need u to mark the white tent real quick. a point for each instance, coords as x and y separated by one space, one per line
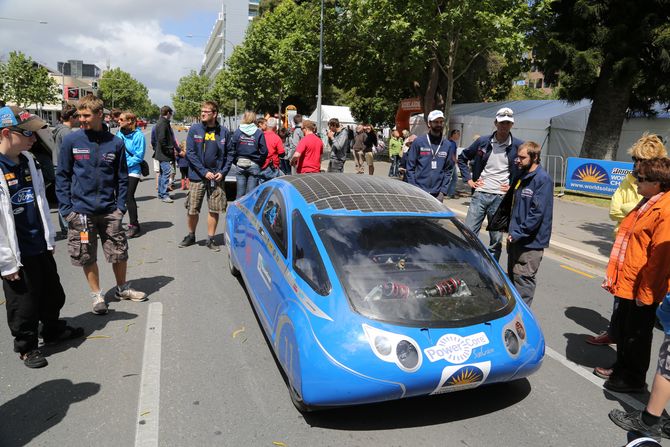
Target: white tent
557 126
340 112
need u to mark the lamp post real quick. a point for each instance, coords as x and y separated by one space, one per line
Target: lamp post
318 95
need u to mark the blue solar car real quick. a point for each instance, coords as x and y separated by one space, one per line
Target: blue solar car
369 290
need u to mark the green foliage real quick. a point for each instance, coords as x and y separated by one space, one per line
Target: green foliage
191 91
522 92
120 90
24 82
615 52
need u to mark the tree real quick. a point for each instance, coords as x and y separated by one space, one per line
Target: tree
276 60
191 91
614 52
26 82
420 48
121 91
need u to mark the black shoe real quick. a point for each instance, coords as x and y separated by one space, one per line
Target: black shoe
187 242
212 245
620 386
34 359
632 421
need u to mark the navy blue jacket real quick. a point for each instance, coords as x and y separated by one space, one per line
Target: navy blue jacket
252 147
480 151
207 155
419 164
532 213
92 174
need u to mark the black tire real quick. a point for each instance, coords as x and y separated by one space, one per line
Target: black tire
233 270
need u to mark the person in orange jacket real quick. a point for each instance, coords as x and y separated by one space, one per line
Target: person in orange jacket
638 276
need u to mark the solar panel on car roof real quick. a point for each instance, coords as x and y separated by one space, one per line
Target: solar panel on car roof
362 193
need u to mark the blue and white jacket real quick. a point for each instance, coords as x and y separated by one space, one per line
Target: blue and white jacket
207 154
532 213
420 158
92 174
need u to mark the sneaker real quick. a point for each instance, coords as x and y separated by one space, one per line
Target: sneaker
212 245
34 359
99 305
127 293
167 199
187 242
632 421
132 231
601 339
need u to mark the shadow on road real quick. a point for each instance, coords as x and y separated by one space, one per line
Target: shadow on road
148 285
91 323
423 411
582 353
36 411
589 319
144 198
155 225
604 234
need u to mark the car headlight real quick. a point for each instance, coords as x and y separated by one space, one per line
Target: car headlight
511 342
394 348
383 345
407 354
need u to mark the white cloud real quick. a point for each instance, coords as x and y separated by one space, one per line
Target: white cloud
126 34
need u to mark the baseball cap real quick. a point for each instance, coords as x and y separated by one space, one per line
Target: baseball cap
505 114
12 116
435 114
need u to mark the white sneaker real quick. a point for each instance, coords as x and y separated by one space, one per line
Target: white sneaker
99 305
126 293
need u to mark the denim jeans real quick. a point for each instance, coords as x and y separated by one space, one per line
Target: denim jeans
164 179
247 179
451 189
268 174
395 165
484 204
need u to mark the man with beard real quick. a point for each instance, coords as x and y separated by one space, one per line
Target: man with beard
430 159
530 221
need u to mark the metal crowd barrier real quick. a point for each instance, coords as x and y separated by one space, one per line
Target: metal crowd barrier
555 167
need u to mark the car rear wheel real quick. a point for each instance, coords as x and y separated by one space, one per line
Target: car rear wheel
233 270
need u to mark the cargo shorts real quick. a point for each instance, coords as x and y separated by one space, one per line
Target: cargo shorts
216 197
107 226
664 358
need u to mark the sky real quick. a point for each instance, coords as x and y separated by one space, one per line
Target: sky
146 38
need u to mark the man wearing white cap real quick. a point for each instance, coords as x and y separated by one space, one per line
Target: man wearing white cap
493 165
430 159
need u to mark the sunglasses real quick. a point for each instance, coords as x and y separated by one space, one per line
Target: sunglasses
25 133
642 179
510 114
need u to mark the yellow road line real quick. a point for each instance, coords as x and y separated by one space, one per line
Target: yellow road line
577 271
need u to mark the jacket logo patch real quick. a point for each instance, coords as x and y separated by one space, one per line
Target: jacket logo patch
10 176
109 157
527 192
84 150
210 136
25 195
82 157
12 182
18 210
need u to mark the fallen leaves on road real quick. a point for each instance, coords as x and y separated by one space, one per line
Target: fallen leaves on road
91 337
127 326
145 413
279 443
238 332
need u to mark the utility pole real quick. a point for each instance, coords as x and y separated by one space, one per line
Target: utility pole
318 97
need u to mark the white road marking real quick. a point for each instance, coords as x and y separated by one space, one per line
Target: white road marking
574 367
146 434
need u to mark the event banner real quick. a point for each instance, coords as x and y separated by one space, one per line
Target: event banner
595 176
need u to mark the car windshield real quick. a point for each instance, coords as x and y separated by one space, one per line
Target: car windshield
415 271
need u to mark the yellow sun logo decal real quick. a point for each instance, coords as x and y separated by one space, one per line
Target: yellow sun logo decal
591 173
465 376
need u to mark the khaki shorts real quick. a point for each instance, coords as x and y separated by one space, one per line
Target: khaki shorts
664 358
369 158
216 197
112 236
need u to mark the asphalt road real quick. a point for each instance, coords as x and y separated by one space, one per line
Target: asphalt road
191 367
